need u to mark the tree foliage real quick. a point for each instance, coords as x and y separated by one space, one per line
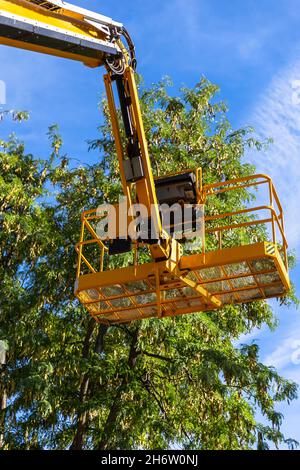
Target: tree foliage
71 383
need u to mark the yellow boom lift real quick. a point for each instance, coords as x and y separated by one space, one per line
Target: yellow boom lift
174 281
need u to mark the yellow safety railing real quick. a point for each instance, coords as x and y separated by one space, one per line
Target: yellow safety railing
86 227
214 224
273 207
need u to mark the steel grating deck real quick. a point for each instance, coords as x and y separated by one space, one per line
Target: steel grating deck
232 275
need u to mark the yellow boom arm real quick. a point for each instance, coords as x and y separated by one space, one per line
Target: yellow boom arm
61 29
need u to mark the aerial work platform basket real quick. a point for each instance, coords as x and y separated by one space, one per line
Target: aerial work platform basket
242 258
237 256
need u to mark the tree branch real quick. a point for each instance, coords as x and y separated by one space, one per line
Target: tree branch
157 356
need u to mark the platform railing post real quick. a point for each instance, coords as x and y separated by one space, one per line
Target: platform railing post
136 254
102 259
158 292
284 244
80 250
220 240
272 213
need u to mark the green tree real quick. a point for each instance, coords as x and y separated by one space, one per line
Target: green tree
71 383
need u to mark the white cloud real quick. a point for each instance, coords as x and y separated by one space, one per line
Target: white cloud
277 115
286 354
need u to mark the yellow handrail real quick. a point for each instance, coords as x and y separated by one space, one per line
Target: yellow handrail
274 208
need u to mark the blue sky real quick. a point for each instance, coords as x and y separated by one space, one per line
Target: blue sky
250 49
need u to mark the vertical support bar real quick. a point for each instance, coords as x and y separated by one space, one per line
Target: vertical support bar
136 254
220 239
80 251
199 184
149 199
102 259
145 187
116 133
158 292
286 262
272 214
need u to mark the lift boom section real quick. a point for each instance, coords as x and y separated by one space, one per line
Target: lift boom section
173 282
61 29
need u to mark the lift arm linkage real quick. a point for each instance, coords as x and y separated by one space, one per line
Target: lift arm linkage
58 28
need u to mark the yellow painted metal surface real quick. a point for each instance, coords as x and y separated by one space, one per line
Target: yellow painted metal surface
145 188
130 293
203 281
61 21
89 62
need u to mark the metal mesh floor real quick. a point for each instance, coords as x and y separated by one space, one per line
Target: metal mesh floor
259 275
